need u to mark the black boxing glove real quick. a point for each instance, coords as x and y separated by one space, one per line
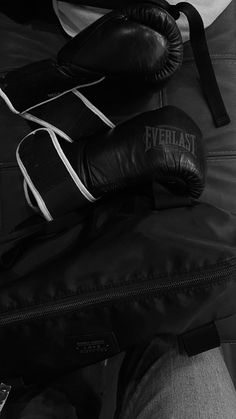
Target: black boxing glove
165 144
141 42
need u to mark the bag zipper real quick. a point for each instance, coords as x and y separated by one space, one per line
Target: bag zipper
74 303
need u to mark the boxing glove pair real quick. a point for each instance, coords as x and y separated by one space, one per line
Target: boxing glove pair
140 42
165 145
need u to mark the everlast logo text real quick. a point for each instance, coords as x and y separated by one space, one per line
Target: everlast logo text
156 137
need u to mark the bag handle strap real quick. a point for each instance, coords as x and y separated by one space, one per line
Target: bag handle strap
202 58
204 64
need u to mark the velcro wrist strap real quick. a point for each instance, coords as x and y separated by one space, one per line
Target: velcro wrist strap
70 115
37 82
51 179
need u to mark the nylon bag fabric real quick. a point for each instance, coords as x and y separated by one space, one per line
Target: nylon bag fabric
79 290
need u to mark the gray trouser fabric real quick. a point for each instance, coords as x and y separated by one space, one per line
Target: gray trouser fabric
176 386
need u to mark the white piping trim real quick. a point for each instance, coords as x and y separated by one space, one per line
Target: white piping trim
7 101
61 133
70 169
27 197
93 108
39 199
64 93
11 107
45 124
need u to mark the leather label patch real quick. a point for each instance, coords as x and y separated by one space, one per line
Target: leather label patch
100 344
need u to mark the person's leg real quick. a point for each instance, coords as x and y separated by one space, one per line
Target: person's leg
175 386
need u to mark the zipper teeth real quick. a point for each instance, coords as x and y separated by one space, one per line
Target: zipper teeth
129 291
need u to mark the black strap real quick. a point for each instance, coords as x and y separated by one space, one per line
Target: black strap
203 62
200 339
